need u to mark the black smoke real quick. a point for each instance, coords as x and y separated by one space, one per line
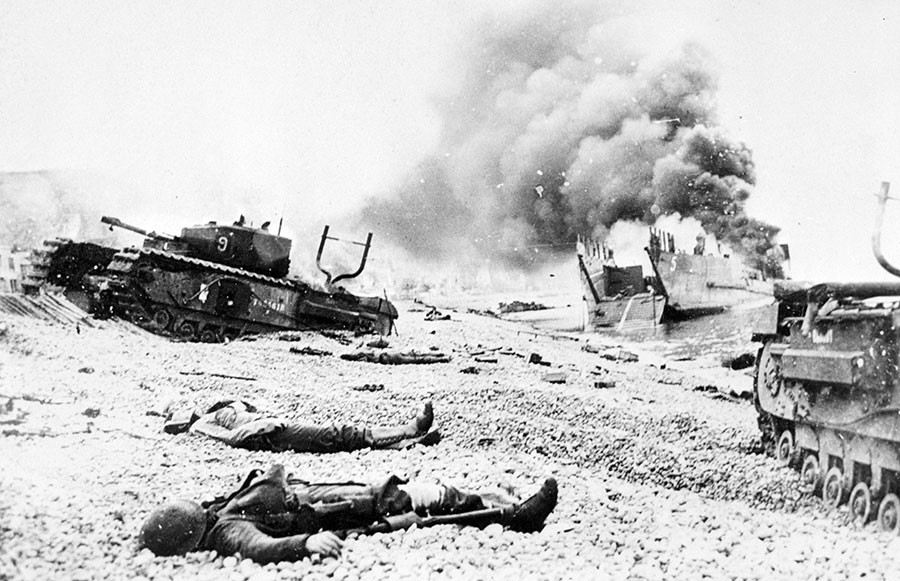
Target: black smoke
562 125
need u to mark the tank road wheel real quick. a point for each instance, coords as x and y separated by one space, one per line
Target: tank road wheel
811 475
833 490
889 514
137 317
187 331
162 319
767 432
784 451
860 504
771 371
209 336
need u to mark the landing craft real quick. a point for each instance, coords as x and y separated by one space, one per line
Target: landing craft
681 285
213 282
701 283
617 297
827 389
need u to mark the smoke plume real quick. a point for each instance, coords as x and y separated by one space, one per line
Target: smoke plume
562 125
37 206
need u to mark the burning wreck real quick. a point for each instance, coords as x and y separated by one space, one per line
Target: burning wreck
618 297
682 285
702 283
211 283
827 389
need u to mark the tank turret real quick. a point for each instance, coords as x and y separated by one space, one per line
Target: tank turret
236 245
210 283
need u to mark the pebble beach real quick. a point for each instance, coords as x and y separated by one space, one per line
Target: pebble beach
659 461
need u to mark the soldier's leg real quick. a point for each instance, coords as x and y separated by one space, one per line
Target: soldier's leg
527 516
344 505
441 499
320 439
335 438
395 497
349 505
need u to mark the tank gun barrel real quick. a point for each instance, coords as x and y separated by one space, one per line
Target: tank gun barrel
115 222
793 291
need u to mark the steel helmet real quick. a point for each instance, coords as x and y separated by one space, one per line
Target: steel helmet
174 529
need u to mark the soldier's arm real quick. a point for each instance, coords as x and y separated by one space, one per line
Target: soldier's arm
243 537
207 425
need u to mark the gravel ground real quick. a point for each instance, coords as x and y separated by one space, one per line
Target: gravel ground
660 470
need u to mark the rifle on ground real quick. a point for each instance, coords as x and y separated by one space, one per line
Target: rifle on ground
406 520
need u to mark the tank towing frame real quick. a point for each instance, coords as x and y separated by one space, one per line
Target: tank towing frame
362 263
883 197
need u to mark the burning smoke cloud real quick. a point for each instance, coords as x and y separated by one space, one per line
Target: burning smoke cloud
562 126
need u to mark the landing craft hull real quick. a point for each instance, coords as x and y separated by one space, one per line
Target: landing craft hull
684 285
626 313
701 285
617 298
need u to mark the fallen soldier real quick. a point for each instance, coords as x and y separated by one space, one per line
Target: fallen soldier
239 424
272 518
396 357
436 315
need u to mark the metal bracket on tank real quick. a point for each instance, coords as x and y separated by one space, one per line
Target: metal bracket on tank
362 264
883 197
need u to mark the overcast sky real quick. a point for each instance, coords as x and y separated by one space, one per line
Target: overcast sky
314 105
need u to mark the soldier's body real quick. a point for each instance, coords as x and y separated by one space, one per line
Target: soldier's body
239 424
271 518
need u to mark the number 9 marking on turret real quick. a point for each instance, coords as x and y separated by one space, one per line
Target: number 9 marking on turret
222 243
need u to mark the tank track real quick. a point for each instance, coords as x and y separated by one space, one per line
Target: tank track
123 295
35 276
67 267
844 463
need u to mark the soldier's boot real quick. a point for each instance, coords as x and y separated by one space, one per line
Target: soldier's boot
415 432
529 516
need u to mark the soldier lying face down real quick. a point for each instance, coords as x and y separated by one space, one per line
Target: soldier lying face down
272 518
239 424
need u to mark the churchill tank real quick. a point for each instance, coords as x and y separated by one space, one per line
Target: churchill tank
827 389
210 283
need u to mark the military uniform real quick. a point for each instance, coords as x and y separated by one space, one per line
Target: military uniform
239 424
270 517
